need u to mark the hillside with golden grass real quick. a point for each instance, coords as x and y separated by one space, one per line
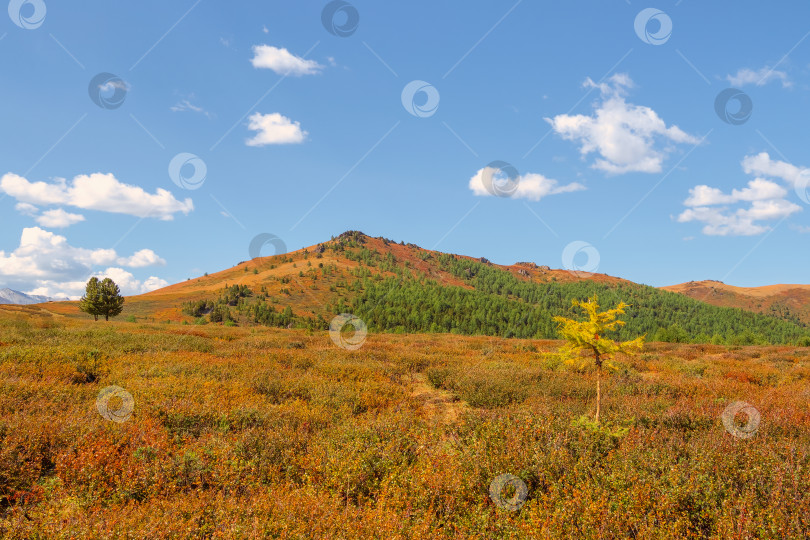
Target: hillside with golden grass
791 302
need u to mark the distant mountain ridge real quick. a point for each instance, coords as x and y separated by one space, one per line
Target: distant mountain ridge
786 301
10 296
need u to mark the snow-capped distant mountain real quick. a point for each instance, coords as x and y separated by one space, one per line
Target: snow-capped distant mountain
9 296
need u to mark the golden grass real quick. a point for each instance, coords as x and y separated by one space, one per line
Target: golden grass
236 433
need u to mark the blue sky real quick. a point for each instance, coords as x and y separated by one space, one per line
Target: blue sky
619 155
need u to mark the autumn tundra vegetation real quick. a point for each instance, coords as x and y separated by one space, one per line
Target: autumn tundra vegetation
469 401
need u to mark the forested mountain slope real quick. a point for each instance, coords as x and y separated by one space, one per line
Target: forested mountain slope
398 287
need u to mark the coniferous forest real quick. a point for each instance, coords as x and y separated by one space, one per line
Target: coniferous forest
501 304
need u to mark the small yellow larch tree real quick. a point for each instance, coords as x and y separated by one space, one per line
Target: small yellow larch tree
587 339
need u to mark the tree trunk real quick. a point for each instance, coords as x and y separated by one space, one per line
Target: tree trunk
95 317
107 318
598 389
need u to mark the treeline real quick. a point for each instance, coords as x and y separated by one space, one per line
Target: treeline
501 304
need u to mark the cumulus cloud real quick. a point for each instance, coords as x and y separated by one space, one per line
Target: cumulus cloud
762 164
142 258
767 202
724 222
45 260
273 128
758 189
530 186
26 209
624 135
759 77
127 282
58 218
74 290
96 191
283 61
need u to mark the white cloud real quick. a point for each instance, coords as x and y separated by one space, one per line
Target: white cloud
721 222
142 258
127 282
153 283
624 135
26 209
771 209
96 191
283 61
112 85
530 186
46 261
760 77
185 104
74 290
58 218
766 197
758 189
762 164
273 128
